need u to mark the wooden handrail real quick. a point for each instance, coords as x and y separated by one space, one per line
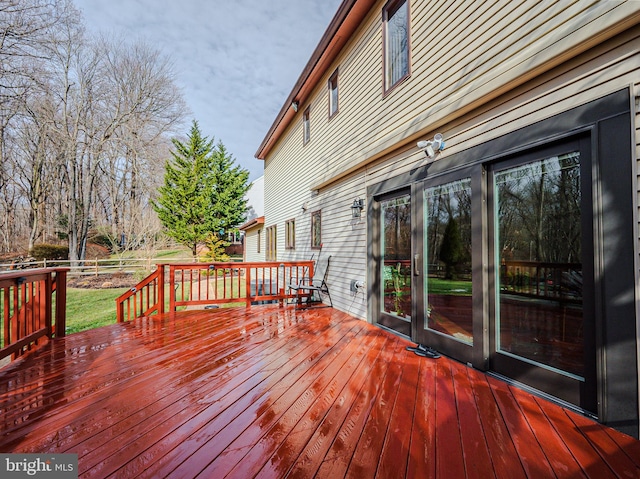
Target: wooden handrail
144 299
27 312
557 281
203 284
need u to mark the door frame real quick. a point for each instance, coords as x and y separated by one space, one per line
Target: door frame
477 353
582 393
388 321
609 123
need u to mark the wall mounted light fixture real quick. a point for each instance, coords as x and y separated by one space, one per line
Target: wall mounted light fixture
431 147
357 207
295 105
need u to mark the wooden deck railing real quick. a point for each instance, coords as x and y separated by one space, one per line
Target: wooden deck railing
145 298
172 286
32 309
557 281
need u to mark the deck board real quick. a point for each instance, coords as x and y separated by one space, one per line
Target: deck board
531 456
364 461
423 428
449 458
474 445
556 451
279 392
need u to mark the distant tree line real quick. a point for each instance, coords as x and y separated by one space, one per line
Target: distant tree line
85 128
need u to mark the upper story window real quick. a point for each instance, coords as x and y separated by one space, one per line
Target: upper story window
395 20
306 126
333 94
316 230
290 234
272 240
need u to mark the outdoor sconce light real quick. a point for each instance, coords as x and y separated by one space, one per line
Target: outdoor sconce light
295 105
357 207
431 147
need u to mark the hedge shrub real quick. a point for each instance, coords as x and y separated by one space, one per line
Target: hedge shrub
49 251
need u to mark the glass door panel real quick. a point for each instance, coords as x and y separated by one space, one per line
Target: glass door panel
447 260
538 251
395 278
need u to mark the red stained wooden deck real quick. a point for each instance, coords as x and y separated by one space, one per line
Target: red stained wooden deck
277 392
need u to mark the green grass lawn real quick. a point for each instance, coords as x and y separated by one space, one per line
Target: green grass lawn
449 287
91 308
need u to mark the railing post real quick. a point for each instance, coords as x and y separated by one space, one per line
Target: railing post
61 303
120 312
160 268
47 299
281 290
172 290
247 281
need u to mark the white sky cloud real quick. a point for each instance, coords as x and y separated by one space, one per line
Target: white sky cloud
236 61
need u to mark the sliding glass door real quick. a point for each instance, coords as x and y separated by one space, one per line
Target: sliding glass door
486 265
445 319
542 334
515 256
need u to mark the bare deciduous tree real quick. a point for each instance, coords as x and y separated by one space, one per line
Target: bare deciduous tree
84 126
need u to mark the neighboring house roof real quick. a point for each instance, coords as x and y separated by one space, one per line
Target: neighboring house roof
345 22
252 223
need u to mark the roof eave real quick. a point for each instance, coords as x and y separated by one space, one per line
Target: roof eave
345 22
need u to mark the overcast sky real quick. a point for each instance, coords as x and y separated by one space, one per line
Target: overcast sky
236 60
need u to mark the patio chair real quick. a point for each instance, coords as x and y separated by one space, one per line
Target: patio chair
307 287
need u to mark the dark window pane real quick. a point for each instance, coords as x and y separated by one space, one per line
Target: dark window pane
539 251
396 256
448 259
397 44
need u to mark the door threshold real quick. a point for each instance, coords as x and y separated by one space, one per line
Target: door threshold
543 395
393 331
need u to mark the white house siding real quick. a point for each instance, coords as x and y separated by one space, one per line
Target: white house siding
251 236
474 77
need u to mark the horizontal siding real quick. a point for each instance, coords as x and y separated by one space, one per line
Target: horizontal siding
448 72
251 253
606 69
453 62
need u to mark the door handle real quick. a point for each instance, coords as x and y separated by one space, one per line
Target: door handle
416 263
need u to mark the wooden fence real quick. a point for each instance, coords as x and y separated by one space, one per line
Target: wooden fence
92 267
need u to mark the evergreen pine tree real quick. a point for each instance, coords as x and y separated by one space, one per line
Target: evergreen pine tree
203 191
451 248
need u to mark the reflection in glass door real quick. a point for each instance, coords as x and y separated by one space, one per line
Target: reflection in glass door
538 261
395 301
447 245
